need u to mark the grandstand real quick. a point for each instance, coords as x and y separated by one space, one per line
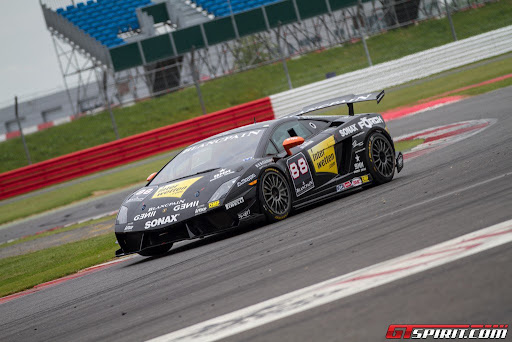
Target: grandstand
144 48
104 20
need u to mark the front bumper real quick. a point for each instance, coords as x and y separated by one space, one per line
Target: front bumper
210 223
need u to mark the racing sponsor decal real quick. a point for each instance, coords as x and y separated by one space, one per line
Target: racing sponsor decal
144 215
144 191
348 130
213 204
176 189
365 178
128 228
234 203
244 214
200 209
359 165
355 143
357 181
221 173
370 122
140 195
167 205
263 163
447 331
323 156
223 139
300 173
306 144
135 199
161 221
349 184
245 180
186 206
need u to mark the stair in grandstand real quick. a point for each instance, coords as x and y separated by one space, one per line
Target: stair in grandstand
221 8
185 13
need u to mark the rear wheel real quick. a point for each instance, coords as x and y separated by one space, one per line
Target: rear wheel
275 195
380 158
157 250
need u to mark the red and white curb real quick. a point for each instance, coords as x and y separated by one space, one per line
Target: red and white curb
51 283
343 286
441 136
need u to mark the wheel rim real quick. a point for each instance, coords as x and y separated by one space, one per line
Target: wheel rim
383 156
275 193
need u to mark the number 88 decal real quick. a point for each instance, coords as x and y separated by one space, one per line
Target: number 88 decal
296 171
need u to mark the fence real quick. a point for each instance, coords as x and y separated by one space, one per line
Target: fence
136 147
396 72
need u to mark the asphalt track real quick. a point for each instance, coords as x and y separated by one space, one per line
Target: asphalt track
453 191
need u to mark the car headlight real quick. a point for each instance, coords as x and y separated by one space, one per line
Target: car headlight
122 215
223 190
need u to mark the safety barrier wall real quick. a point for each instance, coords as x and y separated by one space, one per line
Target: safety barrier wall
399 71
132 148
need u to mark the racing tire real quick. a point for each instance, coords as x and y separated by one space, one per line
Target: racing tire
275 195
380 158
156 251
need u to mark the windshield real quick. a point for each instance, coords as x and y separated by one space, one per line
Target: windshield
211 154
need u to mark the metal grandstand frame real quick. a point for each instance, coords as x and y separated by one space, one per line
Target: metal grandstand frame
334 28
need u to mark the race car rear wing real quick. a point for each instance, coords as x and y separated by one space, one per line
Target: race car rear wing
349 100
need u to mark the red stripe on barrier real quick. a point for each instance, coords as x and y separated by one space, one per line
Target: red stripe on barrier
132 148
13 134
45 125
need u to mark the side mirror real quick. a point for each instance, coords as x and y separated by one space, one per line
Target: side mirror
290 143
151 176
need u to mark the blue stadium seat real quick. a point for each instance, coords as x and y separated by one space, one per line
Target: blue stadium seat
104 19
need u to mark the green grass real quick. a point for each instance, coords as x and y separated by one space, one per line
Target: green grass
25 271
57 231
250 85
60 197
407 145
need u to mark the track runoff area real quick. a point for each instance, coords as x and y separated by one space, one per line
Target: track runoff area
441 226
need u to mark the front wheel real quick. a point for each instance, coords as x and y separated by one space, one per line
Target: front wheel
156 251
275 195
380 157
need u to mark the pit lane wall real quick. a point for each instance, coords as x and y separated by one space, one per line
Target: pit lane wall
132 148
399 71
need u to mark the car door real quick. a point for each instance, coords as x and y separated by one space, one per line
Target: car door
312 165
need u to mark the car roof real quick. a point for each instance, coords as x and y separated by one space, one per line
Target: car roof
264 124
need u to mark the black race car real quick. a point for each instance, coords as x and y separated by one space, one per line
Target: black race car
259 171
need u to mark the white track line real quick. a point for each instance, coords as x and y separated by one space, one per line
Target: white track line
343 286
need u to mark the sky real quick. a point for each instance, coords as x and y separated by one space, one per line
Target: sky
28 63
